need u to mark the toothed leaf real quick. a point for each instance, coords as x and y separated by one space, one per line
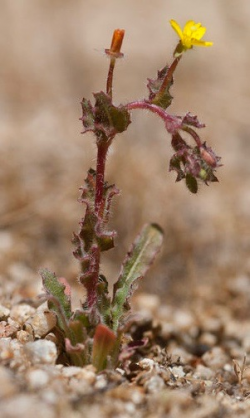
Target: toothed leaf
135 266
57 290
87 115
192 120
154 86
110 119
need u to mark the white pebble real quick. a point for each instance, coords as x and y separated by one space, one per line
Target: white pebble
37 379
21 313
7 386
203 372
41 323
177 371
215 358
147 364
4 312
24 336
154 384
82 373
41 351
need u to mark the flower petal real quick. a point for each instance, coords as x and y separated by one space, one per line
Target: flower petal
177 28
188 28
191 34
199 33
197 42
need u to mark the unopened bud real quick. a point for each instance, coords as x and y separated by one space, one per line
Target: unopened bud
116 44
208 156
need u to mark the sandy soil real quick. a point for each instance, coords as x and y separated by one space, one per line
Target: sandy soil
51 56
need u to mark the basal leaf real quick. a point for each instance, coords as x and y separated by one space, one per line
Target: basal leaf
135 266
104 343
58 296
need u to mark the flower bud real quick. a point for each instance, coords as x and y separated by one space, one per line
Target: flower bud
209 156
116 44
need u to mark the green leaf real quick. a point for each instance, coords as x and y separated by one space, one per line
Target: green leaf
154 86
135 266
58 292
87 115
191 183
110 119
103 300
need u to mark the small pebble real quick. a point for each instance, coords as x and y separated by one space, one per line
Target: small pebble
203 372
177 371
41 323
26 405
24 336
6 348
21 313
208 339
147 364
86 373
215 358
184 320
37 379
7 383
80 386
41 351
101 382
154 384
4 312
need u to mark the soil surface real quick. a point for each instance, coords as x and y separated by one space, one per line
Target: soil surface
193 306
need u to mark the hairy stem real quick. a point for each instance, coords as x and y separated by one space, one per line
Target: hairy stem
168 77
172 123
102 149
193 134
91 286
109 85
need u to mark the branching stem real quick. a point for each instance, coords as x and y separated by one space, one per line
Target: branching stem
172 122
194 135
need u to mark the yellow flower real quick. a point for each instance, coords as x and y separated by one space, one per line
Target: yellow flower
190 35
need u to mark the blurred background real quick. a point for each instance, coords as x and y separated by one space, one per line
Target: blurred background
51 56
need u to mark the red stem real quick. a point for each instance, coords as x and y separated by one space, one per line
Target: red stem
172 122
193 134
102 149
168 77
91 286
109 86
